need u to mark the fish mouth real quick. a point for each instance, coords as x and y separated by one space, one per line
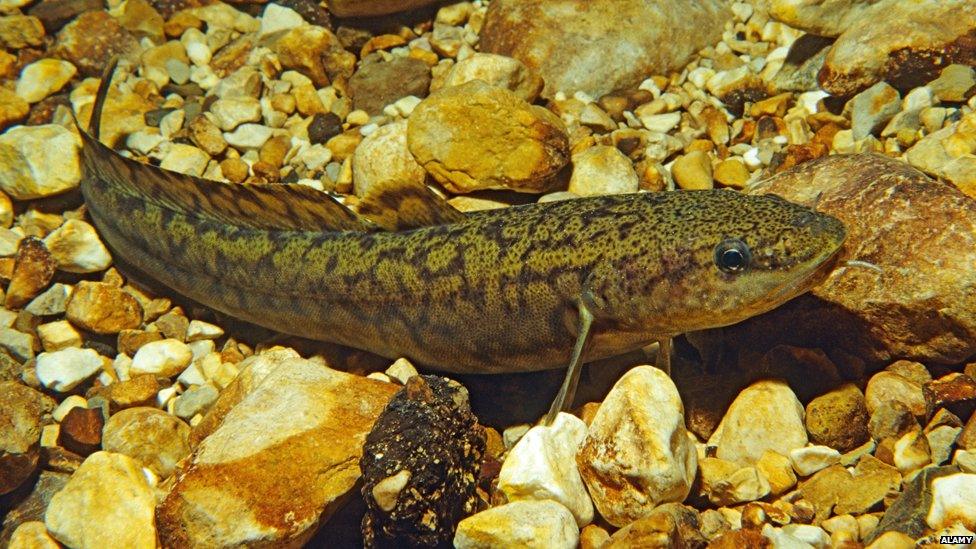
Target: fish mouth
815 274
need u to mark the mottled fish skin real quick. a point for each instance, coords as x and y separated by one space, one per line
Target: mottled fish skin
496 292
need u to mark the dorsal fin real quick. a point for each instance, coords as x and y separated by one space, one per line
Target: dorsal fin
284 206
400 206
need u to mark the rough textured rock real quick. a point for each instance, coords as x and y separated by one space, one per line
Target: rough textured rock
922 235
476 136
377 84
908 512
33 269
637 453
264 486
38 161
905 43
154 438
20 431
92 39
601 46
102 308
81 430
823 18
106 503
602 170
529 524
839 419
31 508
420 465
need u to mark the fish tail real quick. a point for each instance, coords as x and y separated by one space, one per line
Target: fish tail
95 124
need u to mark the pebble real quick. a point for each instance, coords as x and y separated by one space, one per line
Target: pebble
887 386
316 52
152 437
497 70
13 108
232 112
72 401
661 123
873 108
20 431
58 335
778 471
953 500
654 463
765 416
103 308
248 136
86 514
602 170
693 171
323 127
731 172
44 77
17 343
64 370
529 524
33 269
476 136
198 330
76 248
164 358
81 430
38 161
542 466
810 459
401 370
206 135
195 400
32 535
185 159
382 158
376 85
726 483
278 18
955 83
20 31
839 418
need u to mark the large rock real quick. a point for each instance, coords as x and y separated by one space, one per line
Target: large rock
379 83
383 158
476 136
823 18
918 231
368 8
106 503
599 46
637 453
279 463
20 431
38 161
156 439
905 43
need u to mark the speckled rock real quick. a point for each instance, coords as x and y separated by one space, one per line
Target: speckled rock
33 269
92 39
263 485
476 136
726 483
102 308
859 312
154 438
20 432
602 170
315 52
38 161
905 43
839 419
420 465
383 158
765 416
600 46
530 524
380 83
497 70
81 430
13 108
106 503
655 462
20 31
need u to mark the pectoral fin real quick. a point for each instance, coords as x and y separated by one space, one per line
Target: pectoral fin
568 390
398 206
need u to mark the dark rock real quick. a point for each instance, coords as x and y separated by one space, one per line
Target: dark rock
420 466
92 39
154 116
955 392
907 513
838 419
54 14
324 127
371 8
33 269
21 409
81 431
33 505
803 64
376 85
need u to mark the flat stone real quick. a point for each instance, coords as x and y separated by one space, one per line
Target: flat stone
232 112
64 370
810 459
528 523
602 46
316 52
52 301
279 18
693 171
152 437
39 161
778 471
248 136
103 308
76 248
196 400
263 485
654 463
497 70
378 84
186 159
726 483
463 137
828 18
43 78
106 503
955 83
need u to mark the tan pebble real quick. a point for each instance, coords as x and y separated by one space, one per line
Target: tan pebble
593 537
283 102
732 172
344 145
274 151
58 335
102 308
693 171
234 169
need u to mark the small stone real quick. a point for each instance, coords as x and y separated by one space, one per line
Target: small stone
140 390
103 308
231 113
92 39
196 400
732 173
20 431
542 466
73 401
765 416
953 500
941 440
401 370
76 248
778 471
376 85
164 358
810 459
528 523
248 136
20 31
628 475
32 535
38 161
888 386
497 70
839 419
234 169
58 335
185 159
602 170
33 269
206 135
279 18
198 330
64 370
154 438
42 78
323 127
81 431
13 109
18 344
726 483
693 171
87 513
661 123
892 539
891 419
955 392
382 158
956 83
318 53
911 452
463 136
872 108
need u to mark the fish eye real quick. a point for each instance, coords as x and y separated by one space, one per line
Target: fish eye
732 255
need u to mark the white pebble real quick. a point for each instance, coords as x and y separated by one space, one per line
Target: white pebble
76 248
248 136
166 358
199 330
64 370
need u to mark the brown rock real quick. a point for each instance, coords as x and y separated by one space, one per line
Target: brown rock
206 135
369 8
20 31
654 530
740 539
152 437
92 39
32 506
20 432
477 136
33 270
916 230
263 486
955 392
102 308
377 84
891 419
129 340
139 391
173 324
13 108
55 13
905 43
81 430
838 419
315 52
600 46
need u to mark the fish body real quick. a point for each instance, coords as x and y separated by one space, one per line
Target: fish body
489 292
